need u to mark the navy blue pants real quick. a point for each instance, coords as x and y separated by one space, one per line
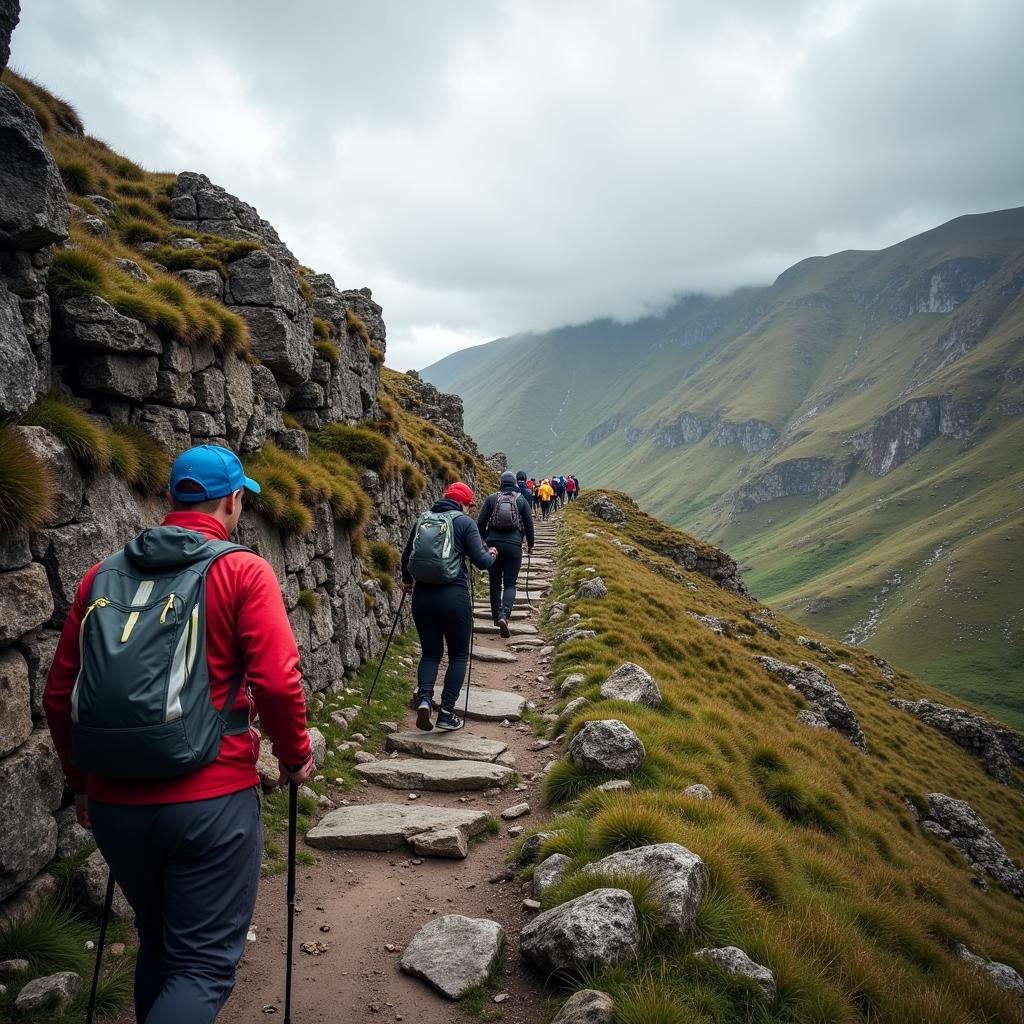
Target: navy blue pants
443 616
504 573
190 872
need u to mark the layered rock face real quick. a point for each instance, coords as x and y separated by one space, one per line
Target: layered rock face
120 372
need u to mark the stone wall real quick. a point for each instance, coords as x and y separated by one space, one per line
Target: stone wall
119 371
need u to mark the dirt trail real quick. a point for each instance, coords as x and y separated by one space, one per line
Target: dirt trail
371 901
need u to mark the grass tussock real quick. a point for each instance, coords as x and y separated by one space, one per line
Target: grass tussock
327 350
361 445
383 556
309 599
356 327
26 485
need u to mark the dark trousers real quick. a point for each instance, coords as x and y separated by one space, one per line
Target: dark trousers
190 872
443 616
545 509
505 572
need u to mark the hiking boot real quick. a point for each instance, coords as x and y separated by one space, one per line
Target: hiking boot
502 625
423 716
448 721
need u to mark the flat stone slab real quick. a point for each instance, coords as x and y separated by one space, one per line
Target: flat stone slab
446 746
517 612
436 776
385 827
488 705
484 627
493 654
454 953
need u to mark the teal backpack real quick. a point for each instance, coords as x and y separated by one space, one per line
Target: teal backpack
434 557
141 706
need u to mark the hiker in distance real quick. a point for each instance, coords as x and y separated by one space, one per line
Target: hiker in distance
434 572
545 492
171 648
505 521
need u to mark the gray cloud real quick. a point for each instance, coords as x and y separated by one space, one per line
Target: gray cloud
494 167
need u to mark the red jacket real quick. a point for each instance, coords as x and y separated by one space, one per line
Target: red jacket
246 629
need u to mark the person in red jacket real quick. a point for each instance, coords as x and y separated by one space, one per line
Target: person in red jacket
187 851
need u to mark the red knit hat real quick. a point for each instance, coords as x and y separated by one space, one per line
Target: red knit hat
460 492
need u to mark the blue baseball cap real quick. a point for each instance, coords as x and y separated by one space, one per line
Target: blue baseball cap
216 470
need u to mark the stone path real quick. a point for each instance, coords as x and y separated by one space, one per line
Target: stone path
405 851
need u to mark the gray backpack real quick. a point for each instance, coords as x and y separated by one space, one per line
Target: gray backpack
141 706
434 557
505 518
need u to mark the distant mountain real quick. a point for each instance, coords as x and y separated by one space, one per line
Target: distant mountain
853 434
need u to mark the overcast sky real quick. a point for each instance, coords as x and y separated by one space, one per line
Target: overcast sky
491 167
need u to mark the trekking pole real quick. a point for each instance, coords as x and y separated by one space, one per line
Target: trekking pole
293 801
394 626
529 554
469 671
108 903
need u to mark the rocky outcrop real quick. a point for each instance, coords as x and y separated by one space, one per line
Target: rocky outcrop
8 20
940 289
828 708
604 508
751 435
972 732
793 477
607 427
958 823
686 428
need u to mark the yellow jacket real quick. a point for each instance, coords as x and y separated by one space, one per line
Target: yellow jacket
545 491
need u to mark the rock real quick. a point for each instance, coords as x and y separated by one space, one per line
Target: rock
532 844
822 696
574 707
1002 974
632 683
260 280
9 968
440 776
595 930
615 786
15 701
318 742
492 654
25 602
570 683
267 767
34 209
604 508
549 872
440 842
607 745
884 668
90 322
679 876
816 645
733 960
9 12
515 811
454 953
71 837
131 377
91 879
588 1006
365 757
592 589
698 791
489 705
20 380
29 899
972 732
387 826
283 344
958 823
55 992
130 267
32 781
574 633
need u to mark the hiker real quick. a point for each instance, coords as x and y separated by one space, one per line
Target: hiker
560 488
576 488
535 491
505 521
434 572
545 492
570 488
524 488
207 647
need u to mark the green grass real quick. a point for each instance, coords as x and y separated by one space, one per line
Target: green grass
89 442
26 485
309 599
362 446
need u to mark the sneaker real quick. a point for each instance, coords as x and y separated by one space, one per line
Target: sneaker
423 716
448 721
503 627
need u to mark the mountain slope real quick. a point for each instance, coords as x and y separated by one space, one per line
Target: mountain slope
850 433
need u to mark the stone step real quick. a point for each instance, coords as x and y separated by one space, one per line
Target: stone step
385 827
446 746
493 654
517 611
484 627
435 775
487 705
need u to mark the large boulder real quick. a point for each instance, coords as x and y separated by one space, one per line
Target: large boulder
32 781
131 377
592 589
90 322
278 341
55 992
733 960
679 876
1002 974
604 508
25 601
607 746
597 929
19 381
55 455
15 701
260 280
588 1006
33 203
632 683
454 953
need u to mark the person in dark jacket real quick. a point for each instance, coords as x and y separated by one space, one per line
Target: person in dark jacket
443 613
524 490
507 538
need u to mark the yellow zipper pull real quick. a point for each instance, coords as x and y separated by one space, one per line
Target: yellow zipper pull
100 602
167 608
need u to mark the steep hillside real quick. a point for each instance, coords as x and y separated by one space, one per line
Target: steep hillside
820 796
849 433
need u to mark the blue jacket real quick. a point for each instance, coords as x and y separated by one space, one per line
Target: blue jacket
525 492
467 540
